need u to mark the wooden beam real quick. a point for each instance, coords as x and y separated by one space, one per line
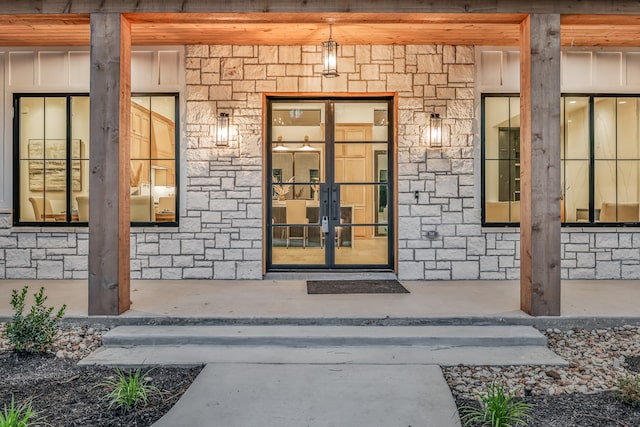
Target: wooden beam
109 217
303 28
256 6
540 165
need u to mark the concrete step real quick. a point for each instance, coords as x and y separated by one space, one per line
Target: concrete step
325 336
197 355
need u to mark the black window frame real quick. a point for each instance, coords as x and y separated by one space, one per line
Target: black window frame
592 222
68 194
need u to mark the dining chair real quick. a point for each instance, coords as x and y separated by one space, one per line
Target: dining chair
83 208
41 208
142 209
296 213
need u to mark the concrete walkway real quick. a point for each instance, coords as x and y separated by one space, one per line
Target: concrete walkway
315 395
286 375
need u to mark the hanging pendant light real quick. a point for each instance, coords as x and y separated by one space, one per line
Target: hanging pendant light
330 56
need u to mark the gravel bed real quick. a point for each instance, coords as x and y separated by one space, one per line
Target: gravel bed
71 342
596 359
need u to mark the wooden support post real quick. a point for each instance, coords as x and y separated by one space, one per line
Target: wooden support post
540 165
109 218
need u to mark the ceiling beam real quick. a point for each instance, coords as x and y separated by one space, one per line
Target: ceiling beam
312 28
331 6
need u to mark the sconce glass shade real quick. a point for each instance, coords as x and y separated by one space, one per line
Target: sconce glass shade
330 57
222 130
435 130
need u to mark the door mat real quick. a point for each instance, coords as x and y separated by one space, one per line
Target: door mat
355 287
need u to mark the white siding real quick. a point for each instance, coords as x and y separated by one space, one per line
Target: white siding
604 70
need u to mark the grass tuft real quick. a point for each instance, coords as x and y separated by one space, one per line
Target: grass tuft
497 409
21 415
129 390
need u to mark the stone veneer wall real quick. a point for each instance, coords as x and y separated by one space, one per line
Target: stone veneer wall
220 233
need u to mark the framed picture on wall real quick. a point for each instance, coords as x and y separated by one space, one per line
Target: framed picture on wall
48 164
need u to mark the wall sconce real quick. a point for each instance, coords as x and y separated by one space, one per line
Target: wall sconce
330 56
222 130
435 130
279 146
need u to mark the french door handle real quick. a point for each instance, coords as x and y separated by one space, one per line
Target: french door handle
335 203
324 201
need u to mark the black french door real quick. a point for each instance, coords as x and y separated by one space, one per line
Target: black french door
330 183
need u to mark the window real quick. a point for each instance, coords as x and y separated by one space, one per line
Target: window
52 166
600 160
501 153
153 159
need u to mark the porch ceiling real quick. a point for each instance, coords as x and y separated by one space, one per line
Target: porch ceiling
312 28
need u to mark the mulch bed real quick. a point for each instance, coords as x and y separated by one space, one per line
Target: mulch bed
633 363
68 395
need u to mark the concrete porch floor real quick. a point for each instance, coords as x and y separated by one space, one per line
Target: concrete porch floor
287 299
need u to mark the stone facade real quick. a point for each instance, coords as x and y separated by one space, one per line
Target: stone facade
221 223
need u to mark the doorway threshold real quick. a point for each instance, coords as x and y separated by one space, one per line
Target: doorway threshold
331 275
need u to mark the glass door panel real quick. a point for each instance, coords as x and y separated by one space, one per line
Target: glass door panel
361 159
297 172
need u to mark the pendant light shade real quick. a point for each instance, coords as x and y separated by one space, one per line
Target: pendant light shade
330 56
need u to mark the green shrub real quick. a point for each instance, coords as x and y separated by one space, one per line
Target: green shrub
129 390
497 409
17 416
33 332
628 389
